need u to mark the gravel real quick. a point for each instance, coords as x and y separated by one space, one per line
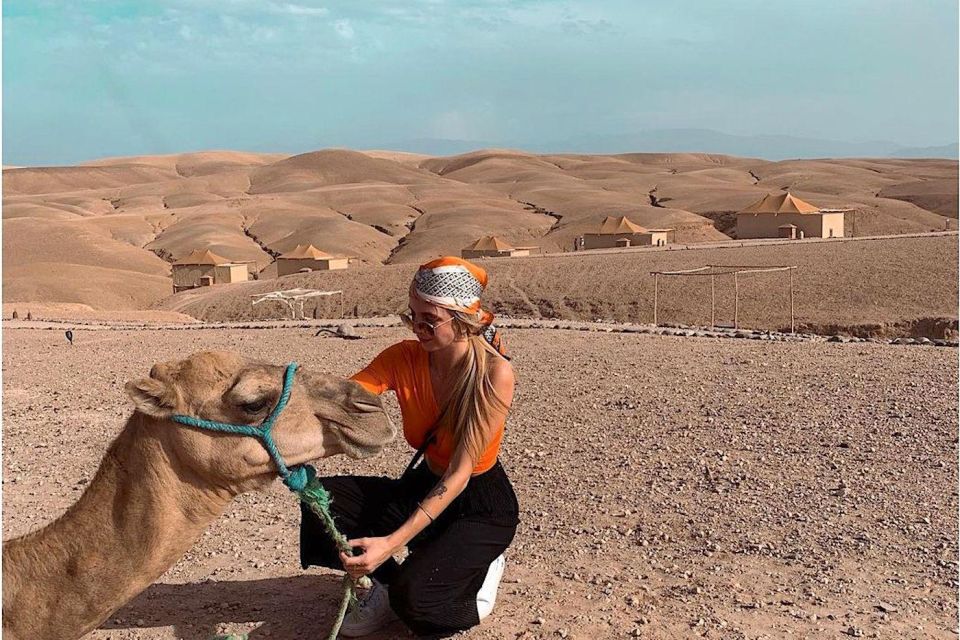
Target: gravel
670 486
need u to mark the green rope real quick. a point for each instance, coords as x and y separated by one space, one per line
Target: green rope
318 499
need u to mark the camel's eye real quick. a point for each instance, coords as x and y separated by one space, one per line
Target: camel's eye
252 393
255 406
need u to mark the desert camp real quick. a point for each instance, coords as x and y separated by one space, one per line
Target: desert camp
778 216
621 232
306 258
493 247
203 268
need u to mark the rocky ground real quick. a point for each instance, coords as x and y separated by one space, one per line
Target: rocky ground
671 487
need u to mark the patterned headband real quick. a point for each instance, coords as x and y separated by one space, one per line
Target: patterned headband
449 286
456 284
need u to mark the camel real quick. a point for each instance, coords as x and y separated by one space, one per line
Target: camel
160 484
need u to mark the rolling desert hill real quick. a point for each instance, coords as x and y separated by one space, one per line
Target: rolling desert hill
104 233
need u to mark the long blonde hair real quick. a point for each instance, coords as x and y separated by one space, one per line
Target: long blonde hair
472 399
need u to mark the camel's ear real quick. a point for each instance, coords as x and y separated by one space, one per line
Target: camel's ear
152 397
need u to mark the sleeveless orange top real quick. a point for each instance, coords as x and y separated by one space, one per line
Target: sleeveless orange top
405 369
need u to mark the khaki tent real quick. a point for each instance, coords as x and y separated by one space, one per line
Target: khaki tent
612 224
490 243
782 203
769 217
492 247
306 257
621 232
202 256
307 251
203 267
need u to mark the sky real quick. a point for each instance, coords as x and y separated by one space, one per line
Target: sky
84 80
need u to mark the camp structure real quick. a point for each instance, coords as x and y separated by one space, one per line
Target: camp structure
621 232
786 216
493 247
715 271
306 257
294 300
203 267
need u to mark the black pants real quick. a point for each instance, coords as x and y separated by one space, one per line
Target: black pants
434 590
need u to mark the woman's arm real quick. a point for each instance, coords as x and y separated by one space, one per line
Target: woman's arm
451 485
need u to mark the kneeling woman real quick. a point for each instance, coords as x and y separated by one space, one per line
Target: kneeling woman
456 513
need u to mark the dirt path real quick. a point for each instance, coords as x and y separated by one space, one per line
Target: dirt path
670 487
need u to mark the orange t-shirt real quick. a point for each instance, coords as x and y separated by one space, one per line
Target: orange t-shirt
405 369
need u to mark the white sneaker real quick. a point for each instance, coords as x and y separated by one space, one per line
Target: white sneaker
372 612
487 596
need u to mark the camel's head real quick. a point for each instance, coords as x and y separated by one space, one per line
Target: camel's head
325 415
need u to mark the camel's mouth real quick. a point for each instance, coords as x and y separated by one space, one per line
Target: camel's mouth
353 419
367 431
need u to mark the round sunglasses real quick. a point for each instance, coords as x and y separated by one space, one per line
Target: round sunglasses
422 326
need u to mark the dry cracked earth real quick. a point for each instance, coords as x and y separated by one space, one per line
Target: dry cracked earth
670 487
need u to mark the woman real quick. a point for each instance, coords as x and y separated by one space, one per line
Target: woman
457 512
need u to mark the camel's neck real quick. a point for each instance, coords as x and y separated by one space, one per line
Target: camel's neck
136 519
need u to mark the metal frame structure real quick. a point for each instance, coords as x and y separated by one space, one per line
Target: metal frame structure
712 271
294 299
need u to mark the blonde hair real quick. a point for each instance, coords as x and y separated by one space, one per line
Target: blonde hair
472 399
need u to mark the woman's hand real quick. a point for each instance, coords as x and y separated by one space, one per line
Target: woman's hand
376 551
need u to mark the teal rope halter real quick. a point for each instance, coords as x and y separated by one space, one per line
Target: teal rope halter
296 479
301 479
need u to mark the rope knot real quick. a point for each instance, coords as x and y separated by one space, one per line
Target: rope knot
299 477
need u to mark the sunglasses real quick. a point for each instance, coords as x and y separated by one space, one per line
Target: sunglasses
421 326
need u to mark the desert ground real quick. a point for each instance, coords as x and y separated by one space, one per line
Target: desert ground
103 233
670 487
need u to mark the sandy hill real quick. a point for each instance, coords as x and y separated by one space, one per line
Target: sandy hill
104 233
195 164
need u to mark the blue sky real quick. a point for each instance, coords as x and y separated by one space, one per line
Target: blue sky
83 80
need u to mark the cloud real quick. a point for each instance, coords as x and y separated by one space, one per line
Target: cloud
580 26
344 29
301 10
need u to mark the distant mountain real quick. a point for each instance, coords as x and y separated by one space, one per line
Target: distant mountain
437 146
942 151
768 147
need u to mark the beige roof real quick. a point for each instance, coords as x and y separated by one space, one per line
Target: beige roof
305 251
612 224
489 243
781 203
202 256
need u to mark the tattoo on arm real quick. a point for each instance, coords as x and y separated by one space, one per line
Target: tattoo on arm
437 491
